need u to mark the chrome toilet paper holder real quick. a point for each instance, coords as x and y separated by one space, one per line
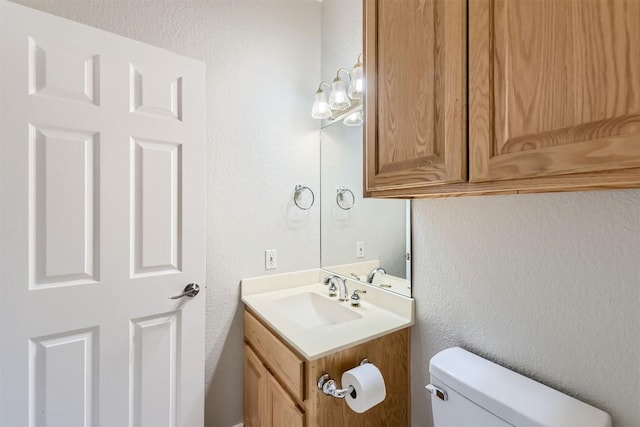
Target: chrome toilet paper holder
329 387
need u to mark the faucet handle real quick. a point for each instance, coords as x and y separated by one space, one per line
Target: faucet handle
355 298
333 290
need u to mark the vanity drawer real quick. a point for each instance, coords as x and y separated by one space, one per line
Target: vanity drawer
283 363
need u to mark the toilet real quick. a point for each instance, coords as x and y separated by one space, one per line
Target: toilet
469 391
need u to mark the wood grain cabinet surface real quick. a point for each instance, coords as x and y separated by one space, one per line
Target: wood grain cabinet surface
272 399
256 378
553 96
266 403
415 51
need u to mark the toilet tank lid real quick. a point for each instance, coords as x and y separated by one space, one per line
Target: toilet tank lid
515 398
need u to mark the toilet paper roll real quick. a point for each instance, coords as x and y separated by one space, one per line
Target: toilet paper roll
368 384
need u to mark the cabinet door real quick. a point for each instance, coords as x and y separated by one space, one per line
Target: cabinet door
415 66
284 412
256 407
554 88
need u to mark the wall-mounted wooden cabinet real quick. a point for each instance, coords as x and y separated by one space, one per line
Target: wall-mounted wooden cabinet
553 96
280 386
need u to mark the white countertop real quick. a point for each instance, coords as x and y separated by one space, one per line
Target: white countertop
381 312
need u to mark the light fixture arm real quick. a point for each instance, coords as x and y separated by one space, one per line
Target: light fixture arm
359 63
338 74
320 86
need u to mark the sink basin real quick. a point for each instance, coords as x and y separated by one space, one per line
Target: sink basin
309 310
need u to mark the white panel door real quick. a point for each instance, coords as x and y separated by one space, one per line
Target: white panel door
102 219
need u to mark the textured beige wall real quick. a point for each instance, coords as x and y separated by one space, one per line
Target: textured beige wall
547 285
263 66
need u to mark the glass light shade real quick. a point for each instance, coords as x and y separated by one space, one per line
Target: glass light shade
356 87
353 119
320 109
338 100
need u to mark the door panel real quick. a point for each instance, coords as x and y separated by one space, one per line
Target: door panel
155 92
156 177
416 96
102 190
58 71
153 381
65 193
554 87
60 395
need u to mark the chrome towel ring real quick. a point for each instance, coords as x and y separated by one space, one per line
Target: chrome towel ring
340 198
298 192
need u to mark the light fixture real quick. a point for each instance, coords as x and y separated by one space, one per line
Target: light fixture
353 119
356 85
339 100
320 109
342 104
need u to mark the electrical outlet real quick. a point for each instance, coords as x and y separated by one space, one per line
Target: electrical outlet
270 259
359 249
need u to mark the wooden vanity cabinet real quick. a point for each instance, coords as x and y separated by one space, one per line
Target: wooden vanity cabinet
553 95
280 386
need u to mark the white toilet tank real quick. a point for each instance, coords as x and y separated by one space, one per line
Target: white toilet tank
469 391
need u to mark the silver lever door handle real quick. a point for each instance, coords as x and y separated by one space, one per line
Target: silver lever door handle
191 290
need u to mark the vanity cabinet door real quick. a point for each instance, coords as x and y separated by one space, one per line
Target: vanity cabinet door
415 63
554 89
266 403
256 377
284 412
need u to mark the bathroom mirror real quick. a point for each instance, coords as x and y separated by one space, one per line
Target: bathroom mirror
359 235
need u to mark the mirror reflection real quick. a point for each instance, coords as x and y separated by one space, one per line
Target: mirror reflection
367 239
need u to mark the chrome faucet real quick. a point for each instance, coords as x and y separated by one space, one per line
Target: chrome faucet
373 272
343 293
